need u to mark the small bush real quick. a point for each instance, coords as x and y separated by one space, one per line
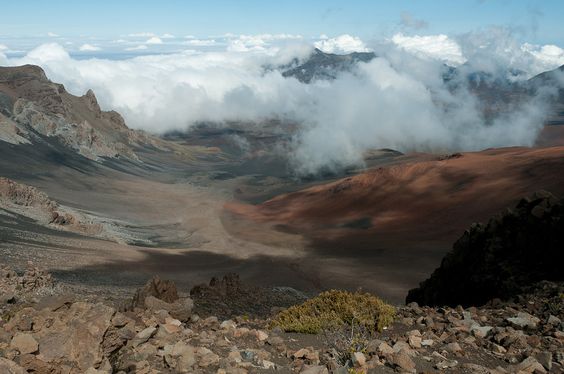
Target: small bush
334 309
347 340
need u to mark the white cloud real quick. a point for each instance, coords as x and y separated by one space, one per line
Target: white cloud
3 47
496 48
154 40
52 34
168 36
258 42
137 48
200 42
49 52
439 47
119 41
89 48
548 56
342 44
396 101
492 50
241 46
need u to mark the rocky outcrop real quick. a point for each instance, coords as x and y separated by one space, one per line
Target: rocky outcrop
164 290
18 199
13 193
158 294
81 136
28 201
500 259
34 109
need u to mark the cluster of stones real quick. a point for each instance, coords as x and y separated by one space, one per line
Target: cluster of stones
507 338
158 332
13 285
56 336
155 333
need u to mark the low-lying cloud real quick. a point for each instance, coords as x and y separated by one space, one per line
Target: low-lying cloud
398 100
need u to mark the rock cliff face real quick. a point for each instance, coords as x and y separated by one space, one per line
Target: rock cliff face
33 108
499 260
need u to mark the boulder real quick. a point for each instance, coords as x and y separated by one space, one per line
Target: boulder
530 365
545 359
524 320
402 361
24 343
358 359
180 309
317 369
75 335
143 335
10 367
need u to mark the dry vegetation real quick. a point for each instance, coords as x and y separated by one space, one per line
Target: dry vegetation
336 309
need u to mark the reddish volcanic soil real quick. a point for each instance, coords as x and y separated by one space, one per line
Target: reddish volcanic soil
409 213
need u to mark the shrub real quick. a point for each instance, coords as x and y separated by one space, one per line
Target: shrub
334 309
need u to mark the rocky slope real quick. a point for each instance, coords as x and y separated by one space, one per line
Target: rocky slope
513 250
43 330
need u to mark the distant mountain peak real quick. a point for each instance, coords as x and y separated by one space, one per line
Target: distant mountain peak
326 66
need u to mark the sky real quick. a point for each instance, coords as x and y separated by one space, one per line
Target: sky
538 21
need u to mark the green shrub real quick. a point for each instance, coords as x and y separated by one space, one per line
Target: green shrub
335 309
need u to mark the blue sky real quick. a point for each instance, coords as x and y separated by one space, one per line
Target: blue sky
536 21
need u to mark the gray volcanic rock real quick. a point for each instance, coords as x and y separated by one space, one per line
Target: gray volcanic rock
513 251
31 103
321 65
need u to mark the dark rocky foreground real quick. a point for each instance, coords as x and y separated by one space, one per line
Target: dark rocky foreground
158 331
515 249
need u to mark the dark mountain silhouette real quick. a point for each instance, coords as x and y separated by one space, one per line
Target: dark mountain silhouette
321 65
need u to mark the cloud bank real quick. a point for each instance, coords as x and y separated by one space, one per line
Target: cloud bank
341 44
439 47
398 100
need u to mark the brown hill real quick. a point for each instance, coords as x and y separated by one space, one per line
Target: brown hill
430 200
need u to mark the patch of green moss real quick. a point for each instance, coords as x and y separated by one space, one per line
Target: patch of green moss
334 309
